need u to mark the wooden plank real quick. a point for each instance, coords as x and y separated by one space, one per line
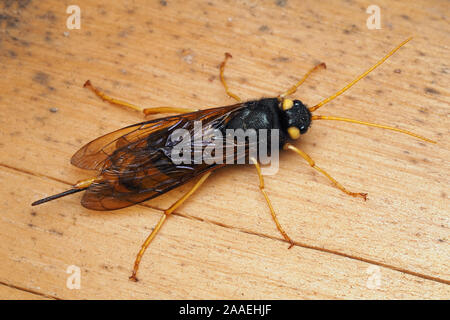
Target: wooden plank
168 55
189 259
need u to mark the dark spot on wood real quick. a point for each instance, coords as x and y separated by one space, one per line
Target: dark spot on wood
41 78
8 20
12 53
106 267
378 91
431 91
443 195
281 3
40 119
33 213
48 36
49 15
58 233
21 4
50 139
423 110
21 42
421 53
353 28
126 32
397 71
31 225
441 240
404 16
163 3
264 28
280 59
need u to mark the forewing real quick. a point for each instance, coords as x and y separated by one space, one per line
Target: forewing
135 162
93 155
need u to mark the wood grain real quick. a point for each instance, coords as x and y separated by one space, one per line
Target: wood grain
222 243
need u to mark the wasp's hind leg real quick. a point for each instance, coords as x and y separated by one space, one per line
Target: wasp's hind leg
146 111
311 162
161 222
222 78
293 89
272 211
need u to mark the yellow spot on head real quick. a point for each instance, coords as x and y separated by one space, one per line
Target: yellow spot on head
294 133
287 104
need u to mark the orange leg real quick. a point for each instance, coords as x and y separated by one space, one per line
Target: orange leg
311 162
293 89
222 78
272 211
161 222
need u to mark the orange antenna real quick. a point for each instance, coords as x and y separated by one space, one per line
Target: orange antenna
372 125
317 106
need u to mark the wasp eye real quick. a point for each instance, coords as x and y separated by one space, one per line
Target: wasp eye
294 133
287 104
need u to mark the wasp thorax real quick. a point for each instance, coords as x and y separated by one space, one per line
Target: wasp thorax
296 117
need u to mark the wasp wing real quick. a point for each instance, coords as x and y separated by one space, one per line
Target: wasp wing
135 162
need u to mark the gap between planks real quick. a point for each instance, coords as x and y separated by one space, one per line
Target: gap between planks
39 295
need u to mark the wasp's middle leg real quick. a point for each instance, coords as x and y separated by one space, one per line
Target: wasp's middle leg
272 211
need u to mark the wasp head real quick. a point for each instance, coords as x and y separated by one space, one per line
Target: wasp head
296 117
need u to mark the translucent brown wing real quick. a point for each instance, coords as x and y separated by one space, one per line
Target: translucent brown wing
135 162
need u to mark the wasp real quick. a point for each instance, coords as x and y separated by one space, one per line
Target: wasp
134 164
